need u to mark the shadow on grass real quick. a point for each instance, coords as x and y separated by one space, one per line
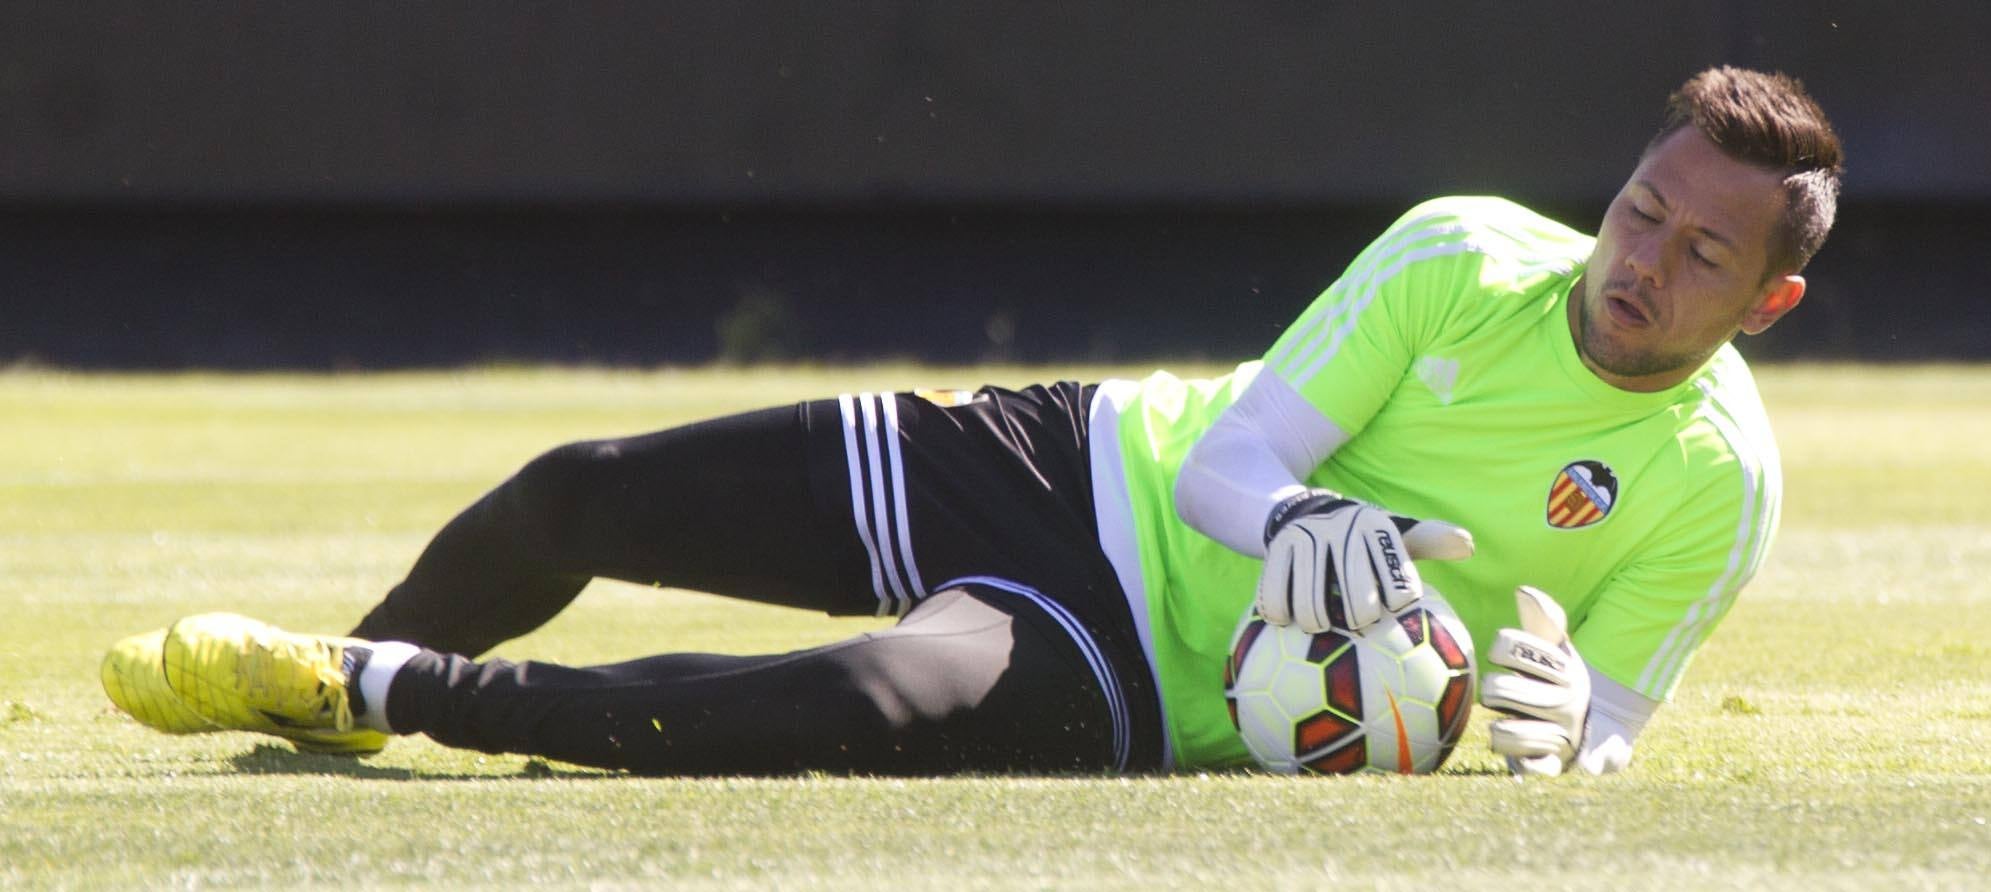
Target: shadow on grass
1251 771
271 758
1481 771
276 759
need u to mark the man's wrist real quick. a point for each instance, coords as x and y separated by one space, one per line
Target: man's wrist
1306 501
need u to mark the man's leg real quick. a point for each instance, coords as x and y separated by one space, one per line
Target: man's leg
721 506
970 681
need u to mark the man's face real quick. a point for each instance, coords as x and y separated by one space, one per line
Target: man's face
1679 265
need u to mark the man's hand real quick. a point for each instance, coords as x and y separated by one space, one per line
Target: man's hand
1541 685
1335 562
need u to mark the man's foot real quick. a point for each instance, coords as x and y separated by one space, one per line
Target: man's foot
134 676
246 675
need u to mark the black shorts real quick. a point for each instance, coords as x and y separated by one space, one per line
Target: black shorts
989 491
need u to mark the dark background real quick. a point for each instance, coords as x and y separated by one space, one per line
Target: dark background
241 185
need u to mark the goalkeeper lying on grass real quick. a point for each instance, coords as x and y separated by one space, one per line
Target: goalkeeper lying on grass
1069 561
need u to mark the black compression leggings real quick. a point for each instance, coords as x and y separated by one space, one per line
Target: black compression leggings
721 506
969 681
972 679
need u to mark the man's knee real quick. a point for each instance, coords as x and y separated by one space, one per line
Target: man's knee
553 486
964 683
567 467
912 681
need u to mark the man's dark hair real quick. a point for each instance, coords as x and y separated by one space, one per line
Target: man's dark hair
1769 121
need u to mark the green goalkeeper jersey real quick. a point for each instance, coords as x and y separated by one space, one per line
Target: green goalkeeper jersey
1445 353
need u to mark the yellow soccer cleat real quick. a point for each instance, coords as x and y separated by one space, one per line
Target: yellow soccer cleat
246 675
135 678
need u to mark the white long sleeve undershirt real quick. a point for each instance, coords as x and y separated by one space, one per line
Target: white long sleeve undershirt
1617 714
1252 458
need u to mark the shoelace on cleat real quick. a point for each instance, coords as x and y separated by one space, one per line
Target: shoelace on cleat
294 676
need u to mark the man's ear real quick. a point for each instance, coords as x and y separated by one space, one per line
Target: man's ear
1780 295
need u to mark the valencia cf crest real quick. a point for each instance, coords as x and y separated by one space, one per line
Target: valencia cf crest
1582 494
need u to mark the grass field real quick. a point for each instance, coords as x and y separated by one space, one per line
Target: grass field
1836 733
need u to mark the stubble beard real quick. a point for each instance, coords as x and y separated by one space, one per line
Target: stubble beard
1596 346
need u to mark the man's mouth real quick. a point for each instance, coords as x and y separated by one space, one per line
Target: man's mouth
1626 312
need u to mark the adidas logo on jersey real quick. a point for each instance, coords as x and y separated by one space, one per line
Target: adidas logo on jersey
1439 374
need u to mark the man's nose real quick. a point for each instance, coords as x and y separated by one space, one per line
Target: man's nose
1645 260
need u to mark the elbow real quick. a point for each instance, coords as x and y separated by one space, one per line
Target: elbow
1188 494
1192 500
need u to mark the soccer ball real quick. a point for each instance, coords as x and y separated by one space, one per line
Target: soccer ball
1393 698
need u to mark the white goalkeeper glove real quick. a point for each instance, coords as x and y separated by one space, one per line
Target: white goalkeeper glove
1332 562
1539 683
